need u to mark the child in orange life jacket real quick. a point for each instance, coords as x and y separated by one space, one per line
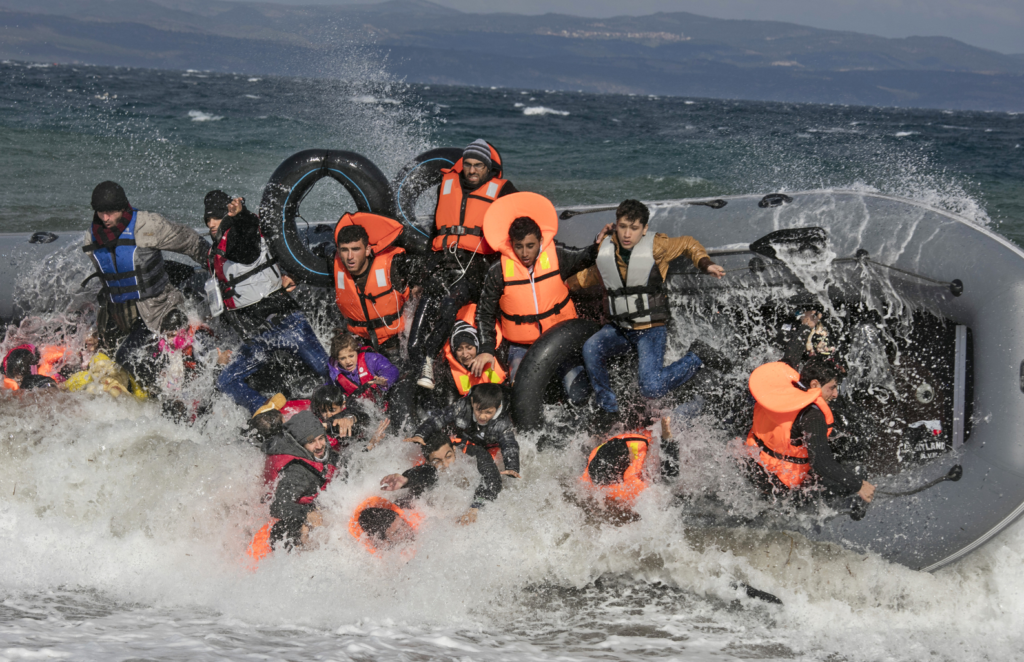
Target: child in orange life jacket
359 372
439 454
789 440
20 367
302 463
455 377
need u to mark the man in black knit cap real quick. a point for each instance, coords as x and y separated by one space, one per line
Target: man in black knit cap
126 246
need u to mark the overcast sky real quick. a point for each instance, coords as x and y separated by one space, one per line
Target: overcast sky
993 24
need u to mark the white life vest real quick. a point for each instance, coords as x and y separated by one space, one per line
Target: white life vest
242 285
642 299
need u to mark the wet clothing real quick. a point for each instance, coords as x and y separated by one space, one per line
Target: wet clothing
298 485
425 476
31 382
457 420
570 262
370 365
656 379
373 308
154 233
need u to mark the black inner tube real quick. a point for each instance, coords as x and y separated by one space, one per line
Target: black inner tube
411 182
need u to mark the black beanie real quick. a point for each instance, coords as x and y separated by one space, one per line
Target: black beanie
463 332
109 196
216 203
479 150
304 427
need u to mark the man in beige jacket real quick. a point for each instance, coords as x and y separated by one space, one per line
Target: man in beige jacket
633 265
125 245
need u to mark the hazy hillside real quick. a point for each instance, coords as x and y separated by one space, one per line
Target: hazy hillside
677 53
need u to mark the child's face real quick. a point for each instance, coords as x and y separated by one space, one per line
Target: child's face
348 359
465 353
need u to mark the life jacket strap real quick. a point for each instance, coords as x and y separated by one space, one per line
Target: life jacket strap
461 230
533 319
780 456
378 323
527 281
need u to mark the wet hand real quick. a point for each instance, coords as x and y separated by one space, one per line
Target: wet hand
393 482
223 356
480 363
314 519
416 291
666 427
509 472
810 318
715 270
469 517
378 434
343 426
867 491
235 206
287 283
380 381
414 440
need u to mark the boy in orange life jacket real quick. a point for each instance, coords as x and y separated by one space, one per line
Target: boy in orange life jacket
526 286
378 318
460 254
790 443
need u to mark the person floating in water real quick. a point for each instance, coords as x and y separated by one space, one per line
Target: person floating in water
789 439
382 525
360 372
460 255
253 294
526 287
633 264
439 453
481 419
23 370
126 247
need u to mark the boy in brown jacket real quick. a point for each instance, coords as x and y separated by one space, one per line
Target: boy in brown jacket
633 265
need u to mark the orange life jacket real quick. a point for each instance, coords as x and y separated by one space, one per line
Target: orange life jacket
356 531
377 308
51 359
259 547
633 482
532 302
779 400
459 218
464 379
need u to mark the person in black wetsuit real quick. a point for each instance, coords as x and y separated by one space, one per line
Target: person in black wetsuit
440 454
256 299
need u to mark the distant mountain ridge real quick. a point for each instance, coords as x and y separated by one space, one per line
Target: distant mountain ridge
667 53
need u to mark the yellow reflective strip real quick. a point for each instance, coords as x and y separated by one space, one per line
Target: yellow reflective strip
510 269
545 263
464 382
493 377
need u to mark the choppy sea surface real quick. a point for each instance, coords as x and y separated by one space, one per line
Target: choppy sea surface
122 534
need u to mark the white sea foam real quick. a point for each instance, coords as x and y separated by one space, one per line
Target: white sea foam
369 99
904 134
200 116
544 110
252 96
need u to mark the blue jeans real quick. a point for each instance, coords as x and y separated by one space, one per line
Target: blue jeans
292 334
656 379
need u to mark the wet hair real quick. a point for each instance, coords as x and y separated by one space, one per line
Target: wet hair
351 233
376 521
523 227
486 396
434 443
821 368
174 321
633 210
344 340
326 398
267 424
610 463
19 363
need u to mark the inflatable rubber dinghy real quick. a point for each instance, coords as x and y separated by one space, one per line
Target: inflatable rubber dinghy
938 291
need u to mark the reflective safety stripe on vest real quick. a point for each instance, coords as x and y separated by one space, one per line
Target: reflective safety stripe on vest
459 218
128 272
356 531
642 299
464 379
633 482
533 301
242 285
376 309
779 400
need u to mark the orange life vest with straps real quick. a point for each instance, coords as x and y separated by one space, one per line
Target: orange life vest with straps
374 312
633 482
464 379
779 401
534 300
459 218
51 359
356 531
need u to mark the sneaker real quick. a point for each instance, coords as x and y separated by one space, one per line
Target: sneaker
426 379
710 356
